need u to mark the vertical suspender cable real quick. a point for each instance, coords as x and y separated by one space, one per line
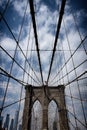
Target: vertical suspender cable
78 87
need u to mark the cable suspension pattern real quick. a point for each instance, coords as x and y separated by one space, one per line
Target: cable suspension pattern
82 42
22 63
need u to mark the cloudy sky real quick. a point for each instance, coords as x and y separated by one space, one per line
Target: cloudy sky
16 15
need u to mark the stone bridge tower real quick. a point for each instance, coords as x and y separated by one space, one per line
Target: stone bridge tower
41 93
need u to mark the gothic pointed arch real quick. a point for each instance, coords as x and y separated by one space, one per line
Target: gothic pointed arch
36 120
53 116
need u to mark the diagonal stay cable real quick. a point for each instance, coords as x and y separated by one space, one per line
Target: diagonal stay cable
56 37
73 63
5 9
73 14
69 96
19 65
11 76
18 44
35 34
5 73
26 60
76 118
75 79
16 79
14 103
69 58
70 71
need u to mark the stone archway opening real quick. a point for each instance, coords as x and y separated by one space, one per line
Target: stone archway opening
36 116
34 93
53 116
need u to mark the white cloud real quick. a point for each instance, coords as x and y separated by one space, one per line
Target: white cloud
8 44
45 19
19 6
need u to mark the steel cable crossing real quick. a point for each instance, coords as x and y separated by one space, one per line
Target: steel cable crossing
17 41
24 71
16 47
13 58
75 79
85 38
4 10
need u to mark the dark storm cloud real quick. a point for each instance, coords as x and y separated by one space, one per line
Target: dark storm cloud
51 4
80 6
13 19
77 5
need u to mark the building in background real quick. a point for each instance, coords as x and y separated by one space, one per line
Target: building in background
1 121
77 128
6 123
16 120
20 127
11 125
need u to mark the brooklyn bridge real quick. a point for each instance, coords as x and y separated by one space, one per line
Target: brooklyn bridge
43 65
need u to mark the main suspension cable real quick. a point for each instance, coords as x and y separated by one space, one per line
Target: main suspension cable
56 37
35 34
